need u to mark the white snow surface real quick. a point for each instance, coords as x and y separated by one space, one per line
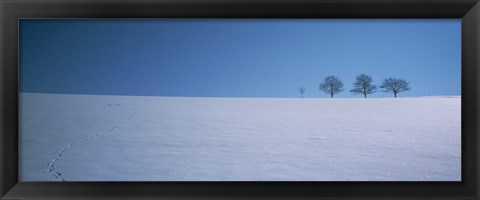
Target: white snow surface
138 138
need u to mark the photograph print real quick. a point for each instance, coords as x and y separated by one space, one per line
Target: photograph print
239 100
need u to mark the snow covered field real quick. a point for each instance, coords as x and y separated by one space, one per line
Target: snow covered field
127 138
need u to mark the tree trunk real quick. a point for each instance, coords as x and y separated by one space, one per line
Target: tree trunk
365 95
395 94
302 95
331 95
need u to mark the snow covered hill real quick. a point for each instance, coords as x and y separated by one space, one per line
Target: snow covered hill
134 138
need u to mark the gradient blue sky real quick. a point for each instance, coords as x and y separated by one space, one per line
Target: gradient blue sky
236 58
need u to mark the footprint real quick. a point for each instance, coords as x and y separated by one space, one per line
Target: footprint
57 175
60 153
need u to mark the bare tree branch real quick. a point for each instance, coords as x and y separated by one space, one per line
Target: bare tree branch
363 85
302 90
331 85
395 86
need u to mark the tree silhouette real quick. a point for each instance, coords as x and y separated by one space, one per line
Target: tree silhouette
363 85
331 85
395 85
302 90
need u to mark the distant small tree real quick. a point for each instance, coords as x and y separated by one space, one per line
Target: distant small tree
331 85
395 85
363 85
302 90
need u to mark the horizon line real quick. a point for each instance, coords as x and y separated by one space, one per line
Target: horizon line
445 96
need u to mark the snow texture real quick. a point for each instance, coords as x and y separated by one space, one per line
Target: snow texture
136 138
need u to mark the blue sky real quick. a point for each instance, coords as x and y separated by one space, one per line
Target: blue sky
236 58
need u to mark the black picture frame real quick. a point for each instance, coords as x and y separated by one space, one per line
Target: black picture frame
13 10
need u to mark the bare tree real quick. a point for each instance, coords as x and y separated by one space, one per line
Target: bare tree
302 90
331 85
395 85
363 85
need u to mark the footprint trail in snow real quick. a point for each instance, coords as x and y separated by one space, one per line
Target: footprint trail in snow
60 153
